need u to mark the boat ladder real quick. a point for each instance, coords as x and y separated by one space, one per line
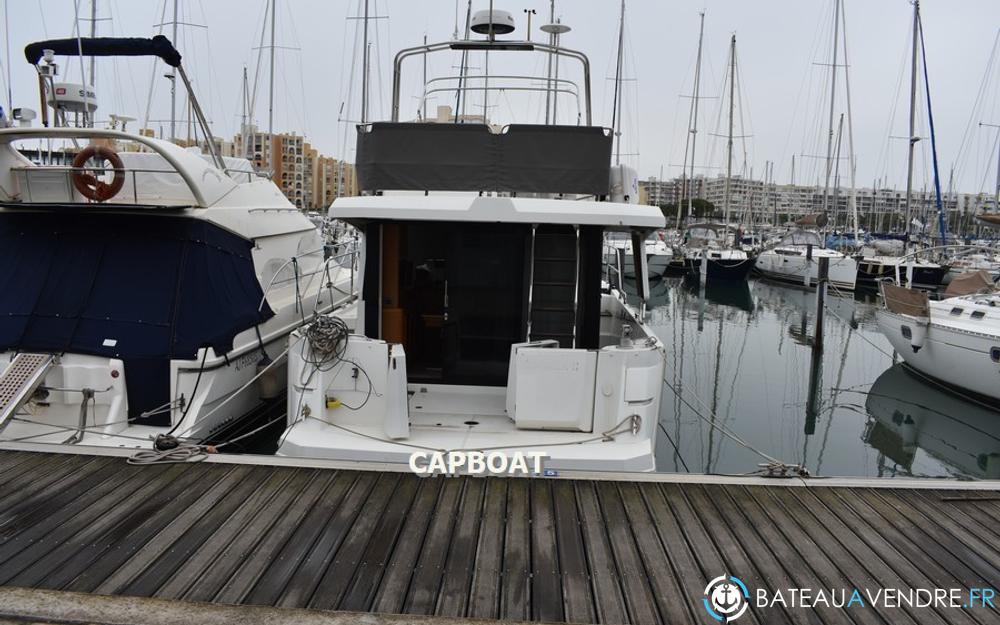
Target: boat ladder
554 284
19 381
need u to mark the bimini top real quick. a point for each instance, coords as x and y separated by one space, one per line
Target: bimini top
473 208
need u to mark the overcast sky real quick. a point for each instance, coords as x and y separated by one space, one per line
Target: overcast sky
783 52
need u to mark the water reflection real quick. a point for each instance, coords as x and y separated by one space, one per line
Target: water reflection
742 359
910 418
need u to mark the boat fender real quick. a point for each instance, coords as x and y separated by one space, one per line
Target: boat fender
918 334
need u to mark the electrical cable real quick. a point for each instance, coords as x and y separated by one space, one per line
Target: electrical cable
197 381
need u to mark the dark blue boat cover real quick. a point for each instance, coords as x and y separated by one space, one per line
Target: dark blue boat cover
124 285
106 46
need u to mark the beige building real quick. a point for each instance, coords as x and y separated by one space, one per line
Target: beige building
308 179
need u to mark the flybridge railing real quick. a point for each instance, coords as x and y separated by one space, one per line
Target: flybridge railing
504 83
492 46
51 184
11 135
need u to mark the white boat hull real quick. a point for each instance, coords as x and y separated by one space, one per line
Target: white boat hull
797 269
956 356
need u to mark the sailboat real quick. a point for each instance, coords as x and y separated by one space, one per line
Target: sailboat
795 258
908 269
716 247
147 291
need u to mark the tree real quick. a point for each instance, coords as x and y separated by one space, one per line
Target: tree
702 209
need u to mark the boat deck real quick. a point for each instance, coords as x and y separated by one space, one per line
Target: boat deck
550 549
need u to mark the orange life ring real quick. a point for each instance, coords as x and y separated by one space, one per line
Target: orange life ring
88 184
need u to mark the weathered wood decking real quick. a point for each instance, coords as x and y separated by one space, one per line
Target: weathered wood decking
560 550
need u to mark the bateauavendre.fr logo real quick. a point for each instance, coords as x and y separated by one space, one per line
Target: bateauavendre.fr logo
727 598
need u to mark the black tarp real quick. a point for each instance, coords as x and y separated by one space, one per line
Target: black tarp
106 46
124 286
468 157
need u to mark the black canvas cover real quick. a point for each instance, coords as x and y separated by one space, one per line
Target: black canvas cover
469 157
135 287
106 46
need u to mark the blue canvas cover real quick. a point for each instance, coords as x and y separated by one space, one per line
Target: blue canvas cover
124 285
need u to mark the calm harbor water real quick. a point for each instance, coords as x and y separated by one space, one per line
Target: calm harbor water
743 354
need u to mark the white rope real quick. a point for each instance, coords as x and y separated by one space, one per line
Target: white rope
232 395
773 466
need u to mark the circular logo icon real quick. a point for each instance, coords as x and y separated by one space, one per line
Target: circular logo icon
726 598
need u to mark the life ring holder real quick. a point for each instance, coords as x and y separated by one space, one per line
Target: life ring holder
88 184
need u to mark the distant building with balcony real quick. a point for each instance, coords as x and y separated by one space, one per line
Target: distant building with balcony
310 180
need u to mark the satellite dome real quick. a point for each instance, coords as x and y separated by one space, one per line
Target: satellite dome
503 22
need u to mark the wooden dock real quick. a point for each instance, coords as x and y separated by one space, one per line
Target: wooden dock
546 549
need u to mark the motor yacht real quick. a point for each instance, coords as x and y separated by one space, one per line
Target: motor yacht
146 290
486 320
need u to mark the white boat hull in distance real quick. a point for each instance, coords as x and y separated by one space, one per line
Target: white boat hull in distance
791 265
960 357
584 409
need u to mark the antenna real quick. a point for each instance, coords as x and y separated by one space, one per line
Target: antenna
172 75
616 101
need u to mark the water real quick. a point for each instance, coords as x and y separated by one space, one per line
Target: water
743 353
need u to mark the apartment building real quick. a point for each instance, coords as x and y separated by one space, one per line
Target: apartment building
309 179
881 208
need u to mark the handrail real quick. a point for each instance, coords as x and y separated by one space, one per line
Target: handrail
498 88
8 135
966 248
485 46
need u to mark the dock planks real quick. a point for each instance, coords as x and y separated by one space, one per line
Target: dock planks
551 550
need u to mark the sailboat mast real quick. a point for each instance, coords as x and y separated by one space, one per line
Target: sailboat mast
460 96
729 142
694 116
996 192
853 198
93 33
836 168
173 81
245 117
270 103
833 98
616 121
913 118
548 70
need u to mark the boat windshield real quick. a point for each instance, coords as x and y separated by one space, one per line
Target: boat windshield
706 233
802 237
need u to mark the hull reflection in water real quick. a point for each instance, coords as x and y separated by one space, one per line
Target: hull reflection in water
910 415
733 293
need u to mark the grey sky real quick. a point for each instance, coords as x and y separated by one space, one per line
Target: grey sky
779 43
